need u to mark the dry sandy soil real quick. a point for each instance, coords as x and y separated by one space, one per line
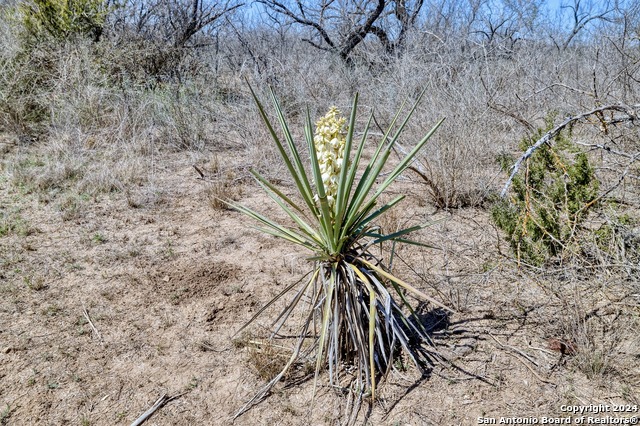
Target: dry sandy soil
108 304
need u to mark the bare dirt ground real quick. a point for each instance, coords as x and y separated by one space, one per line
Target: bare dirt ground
107 306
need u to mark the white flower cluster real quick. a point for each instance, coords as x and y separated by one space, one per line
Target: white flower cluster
329 140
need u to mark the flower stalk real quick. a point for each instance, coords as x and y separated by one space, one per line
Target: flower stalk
329 142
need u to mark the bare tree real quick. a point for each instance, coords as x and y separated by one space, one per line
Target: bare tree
165 32
188 17
339 27
502 24
175 22
626 33
489 25
405 14
581 14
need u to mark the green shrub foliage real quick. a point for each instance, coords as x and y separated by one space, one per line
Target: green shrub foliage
549 199
62 19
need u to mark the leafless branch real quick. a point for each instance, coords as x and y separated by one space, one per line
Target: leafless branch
160 402
93 327
630 115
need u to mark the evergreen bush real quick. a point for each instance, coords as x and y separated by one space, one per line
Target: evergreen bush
549 199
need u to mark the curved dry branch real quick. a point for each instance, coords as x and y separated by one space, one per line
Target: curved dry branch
301 19
359 33
630 114
341 27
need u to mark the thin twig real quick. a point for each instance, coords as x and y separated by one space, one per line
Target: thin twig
156 406
517 354
611 150
202 176
93 327
546 351
628 110
549 382
513 349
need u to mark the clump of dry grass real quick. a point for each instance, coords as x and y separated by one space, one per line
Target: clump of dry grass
267 359
222 184
598 332
220 192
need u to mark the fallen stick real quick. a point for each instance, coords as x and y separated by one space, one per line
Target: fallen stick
518 354
93 327
156 406
532 361
537 376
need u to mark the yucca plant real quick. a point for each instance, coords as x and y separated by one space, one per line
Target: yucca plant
357 314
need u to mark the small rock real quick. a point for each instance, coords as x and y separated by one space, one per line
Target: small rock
7 350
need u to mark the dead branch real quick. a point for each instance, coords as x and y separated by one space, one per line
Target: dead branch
156 406
93 327
611 150
630 114
160 402
516 350
518 354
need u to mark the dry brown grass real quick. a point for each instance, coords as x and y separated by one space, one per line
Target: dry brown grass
267 359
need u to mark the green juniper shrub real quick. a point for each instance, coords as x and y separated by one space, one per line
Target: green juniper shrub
549 199
63 19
